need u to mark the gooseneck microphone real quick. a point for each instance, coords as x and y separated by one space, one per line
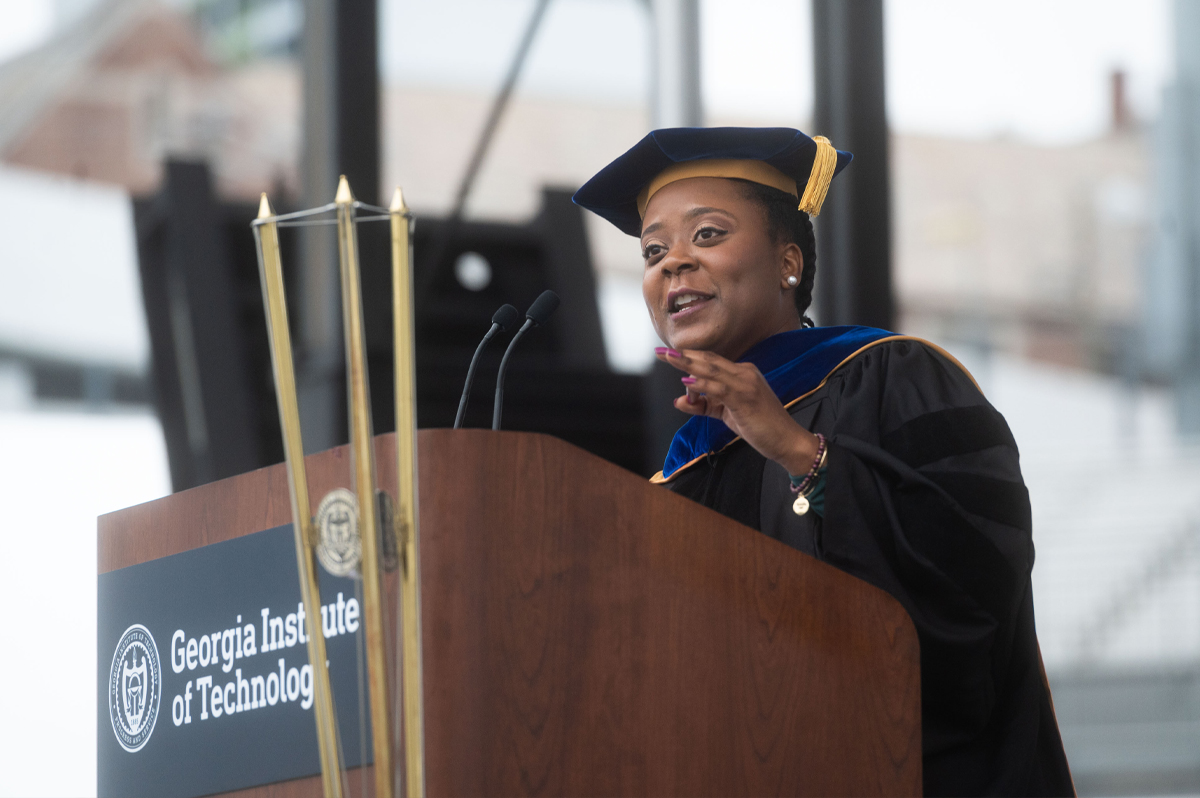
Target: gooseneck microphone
538 313
502 319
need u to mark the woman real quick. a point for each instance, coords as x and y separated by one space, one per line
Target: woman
874 452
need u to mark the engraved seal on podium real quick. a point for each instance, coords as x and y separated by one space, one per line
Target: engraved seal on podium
339 544
134 688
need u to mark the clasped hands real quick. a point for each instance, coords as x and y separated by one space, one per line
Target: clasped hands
738 394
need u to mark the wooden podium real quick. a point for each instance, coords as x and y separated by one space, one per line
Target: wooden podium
587 633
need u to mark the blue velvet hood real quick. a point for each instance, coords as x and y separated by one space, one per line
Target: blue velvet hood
793 363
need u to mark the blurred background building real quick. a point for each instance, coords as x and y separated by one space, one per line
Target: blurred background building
1055 251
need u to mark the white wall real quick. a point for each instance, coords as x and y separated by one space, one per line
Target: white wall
68 288
68 270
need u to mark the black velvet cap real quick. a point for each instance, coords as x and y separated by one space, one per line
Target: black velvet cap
780 157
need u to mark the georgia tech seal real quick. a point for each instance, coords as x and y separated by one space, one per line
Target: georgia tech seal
134 688
339 547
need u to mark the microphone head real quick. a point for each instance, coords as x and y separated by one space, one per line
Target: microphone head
506 317
543 307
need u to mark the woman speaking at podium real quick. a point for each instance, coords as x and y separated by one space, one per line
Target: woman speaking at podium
874 452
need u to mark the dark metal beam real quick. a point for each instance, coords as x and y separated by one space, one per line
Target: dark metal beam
202 376
341 137
854 284
358 151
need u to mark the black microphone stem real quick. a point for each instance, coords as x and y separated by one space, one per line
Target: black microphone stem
498 407
462 403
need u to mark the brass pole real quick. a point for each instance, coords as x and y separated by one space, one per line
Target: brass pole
270 272
362 456
406 498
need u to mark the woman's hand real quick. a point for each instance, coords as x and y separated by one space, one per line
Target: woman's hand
738 394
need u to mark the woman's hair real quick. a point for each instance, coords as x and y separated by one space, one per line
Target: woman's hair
786 223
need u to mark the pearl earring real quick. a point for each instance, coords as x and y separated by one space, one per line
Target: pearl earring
793 280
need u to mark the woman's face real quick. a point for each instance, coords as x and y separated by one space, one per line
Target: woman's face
714 279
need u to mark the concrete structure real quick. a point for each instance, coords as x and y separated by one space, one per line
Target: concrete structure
1012 247
1023 248
72 327
128 84
676 100
1172 342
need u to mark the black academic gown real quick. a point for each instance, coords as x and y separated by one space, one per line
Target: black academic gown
924 499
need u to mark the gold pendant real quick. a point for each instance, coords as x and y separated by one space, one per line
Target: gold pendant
800 506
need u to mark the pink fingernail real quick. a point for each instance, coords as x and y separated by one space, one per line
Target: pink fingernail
688 380
674 353
661 350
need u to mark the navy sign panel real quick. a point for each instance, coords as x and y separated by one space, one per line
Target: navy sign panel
204 683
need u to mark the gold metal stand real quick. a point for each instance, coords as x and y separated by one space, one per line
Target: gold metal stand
406 499
362 456
271 274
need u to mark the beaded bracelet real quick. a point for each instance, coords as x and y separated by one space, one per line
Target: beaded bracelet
811 480
810 477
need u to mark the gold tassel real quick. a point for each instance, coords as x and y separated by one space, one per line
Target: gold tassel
824 165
